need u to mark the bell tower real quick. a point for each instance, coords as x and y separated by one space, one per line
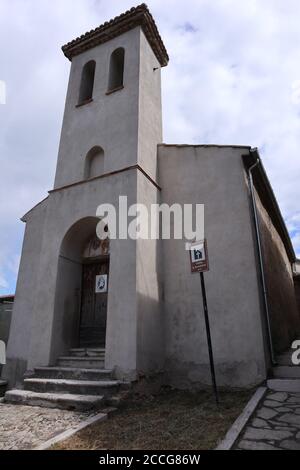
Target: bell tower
112 117
108 147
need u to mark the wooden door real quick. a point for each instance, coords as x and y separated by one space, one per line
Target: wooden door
93 306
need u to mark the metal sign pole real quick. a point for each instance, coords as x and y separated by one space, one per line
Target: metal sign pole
210 352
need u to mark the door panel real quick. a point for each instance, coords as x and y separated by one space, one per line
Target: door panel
93 307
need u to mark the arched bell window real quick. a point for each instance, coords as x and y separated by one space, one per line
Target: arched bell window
116 69
87 82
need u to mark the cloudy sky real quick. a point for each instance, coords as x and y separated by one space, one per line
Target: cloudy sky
233 78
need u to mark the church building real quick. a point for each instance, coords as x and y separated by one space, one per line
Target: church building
125 309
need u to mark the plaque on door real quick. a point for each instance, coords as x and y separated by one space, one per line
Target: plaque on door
101 283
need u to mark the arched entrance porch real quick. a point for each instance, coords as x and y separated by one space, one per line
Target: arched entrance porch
81 297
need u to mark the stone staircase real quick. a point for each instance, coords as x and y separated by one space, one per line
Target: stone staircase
286 375
78 382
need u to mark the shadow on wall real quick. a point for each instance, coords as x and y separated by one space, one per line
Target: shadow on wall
150 336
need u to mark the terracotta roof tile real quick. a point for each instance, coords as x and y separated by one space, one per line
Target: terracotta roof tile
137 16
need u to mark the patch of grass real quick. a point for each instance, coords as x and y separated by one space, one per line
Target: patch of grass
172 420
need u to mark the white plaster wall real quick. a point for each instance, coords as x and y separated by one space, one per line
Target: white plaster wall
150 114
127 125
66 207
150 321
215 177
18 348
34 340
110 121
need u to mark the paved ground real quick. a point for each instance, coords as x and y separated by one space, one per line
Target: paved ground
275 424
24 427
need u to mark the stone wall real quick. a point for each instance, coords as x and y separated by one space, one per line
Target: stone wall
284 316
297 291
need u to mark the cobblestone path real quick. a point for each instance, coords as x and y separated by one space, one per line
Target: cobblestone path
275 425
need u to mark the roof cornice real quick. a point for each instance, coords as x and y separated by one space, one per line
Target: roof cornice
137 16
268 199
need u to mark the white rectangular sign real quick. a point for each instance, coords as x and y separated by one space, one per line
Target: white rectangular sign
101 283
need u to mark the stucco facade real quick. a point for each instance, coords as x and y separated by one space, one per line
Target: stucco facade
216 177
154 312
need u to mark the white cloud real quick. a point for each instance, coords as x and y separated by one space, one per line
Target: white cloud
13 263
229 81
3 281
4 284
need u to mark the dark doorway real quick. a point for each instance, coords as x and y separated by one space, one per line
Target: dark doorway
93 315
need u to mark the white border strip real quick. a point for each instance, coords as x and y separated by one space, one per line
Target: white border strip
70 432
242 420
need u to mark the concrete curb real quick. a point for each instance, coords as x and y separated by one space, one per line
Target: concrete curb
242 420
70 432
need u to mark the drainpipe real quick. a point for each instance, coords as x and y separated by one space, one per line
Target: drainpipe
260 256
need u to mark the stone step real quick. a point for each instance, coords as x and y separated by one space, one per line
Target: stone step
66 401
89 352
78 387
284 385
81 362
286 372
72 373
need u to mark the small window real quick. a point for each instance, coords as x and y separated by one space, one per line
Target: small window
116 69
94 163
87 82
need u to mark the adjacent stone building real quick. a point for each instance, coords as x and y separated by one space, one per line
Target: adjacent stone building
6 307
150 321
